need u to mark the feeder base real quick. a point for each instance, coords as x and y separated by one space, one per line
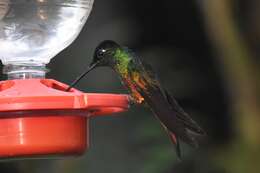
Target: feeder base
43 136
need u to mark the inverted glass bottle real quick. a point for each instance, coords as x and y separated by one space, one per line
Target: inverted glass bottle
34 31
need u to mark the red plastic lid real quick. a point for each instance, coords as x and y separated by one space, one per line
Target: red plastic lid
37 117
48 94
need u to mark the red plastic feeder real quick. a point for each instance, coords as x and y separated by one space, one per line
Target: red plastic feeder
38 118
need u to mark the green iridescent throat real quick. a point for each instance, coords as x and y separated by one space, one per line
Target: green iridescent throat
122 61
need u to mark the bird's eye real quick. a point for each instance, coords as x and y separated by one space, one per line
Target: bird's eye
101 53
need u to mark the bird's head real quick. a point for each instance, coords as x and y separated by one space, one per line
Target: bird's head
104 54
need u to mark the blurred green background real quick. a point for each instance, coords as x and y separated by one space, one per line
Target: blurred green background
205 52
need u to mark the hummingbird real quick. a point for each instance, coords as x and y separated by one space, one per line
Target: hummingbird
144 88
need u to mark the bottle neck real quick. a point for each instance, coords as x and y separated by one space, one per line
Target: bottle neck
25 71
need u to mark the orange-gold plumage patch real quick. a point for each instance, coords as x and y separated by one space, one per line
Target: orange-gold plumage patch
134 93
138 80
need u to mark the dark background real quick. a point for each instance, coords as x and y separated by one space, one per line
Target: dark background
177 39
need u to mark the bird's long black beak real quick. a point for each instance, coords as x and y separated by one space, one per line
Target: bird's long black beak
91 67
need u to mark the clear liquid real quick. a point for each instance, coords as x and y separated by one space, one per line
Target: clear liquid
34 31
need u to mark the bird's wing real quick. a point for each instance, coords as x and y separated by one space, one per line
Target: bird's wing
149 75
163 105
183 116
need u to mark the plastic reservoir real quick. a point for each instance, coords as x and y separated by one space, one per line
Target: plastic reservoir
34 31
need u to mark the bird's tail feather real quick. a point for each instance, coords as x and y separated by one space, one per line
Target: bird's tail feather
176 142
